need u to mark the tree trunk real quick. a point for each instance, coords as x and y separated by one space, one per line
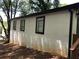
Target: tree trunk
8 9
9 23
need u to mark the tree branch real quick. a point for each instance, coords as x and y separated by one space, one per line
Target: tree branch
4 11
5 4
1 21
16 5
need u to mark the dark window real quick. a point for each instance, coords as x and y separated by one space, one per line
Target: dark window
0 30
78 25
14 25
22 25
40 24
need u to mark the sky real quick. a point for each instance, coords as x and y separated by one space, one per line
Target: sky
61 2
68 1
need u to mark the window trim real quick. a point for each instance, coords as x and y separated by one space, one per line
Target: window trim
43 24
14 26
21 25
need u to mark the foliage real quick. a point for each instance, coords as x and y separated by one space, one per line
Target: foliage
56 3
24 7
33 6
39 5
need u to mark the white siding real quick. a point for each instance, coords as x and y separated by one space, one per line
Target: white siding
74 26
74 23
56 36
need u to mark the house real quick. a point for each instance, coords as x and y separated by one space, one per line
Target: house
50 31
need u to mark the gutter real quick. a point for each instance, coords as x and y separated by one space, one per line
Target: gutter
70 33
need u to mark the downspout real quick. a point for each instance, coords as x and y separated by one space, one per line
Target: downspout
70 33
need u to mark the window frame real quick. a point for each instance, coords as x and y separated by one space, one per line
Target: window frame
14 24
1 30
22 27
37 23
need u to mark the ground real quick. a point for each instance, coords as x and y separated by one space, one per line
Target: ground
13 51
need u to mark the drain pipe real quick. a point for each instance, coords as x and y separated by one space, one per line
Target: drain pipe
70 33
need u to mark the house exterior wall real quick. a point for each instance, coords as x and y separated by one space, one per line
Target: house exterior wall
55 38
74 26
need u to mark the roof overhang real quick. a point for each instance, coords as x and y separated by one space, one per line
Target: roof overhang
68 7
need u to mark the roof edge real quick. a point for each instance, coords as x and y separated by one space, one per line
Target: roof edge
68 7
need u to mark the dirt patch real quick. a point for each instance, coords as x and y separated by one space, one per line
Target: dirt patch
12 51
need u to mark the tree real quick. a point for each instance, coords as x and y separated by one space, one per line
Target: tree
39 5
9 7
56 3
24 7
34 6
